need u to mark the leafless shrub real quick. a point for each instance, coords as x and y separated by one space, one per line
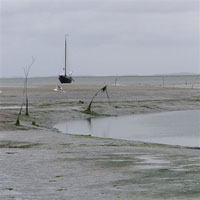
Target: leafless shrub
25 92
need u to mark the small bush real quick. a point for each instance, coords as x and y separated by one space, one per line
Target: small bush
17 123
34 123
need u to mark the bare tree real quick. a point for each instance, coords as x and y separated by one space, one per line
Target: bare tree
25 91
26 72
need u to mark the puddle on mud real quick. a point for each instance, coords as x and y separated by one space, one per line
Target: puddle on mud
9 107
174 128
149 161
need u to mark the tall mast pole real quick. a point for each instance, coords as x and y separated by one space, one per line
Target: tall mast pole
65 54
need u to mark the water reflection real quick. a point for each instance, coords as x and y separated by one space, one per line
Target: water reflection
177 128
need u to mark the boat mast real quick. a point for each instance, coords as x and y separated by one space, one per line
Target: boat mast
65 54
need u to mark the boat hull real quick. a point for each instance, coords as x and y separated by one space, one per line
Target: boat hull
65 79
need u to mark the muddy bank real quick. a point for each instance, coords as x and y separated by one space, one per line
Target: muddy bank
49 165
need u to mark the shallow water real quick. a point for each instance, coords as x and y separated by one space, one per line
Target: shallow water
9 107
175 128
186 81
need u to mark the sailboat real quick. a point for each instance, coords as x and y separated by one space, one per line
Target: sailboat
66 78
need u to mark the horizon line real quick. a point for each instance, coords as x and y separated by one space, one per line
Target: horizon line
125 75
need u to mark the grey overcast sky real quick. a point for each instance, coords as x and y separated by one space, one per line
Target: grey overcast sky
107 37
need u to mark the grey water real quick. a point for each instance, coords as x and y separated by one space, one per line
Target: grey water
173 128
186 81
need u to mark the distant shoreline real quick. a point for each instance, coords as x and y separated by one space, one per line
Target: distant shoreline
96 76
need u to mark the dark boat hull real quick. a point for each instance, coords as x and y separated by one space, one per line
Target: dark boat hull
65 79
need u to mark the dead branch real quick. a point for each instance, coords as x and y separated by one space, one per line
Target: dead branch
103 89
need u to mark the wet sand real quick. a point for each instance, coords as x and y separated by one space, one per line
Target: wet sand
41 163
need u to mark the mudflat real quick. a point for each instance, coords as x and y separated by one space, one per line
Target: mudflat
38 162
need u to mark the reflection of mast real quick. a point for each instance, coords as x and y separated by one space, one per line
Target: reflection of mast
89 120
104 131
